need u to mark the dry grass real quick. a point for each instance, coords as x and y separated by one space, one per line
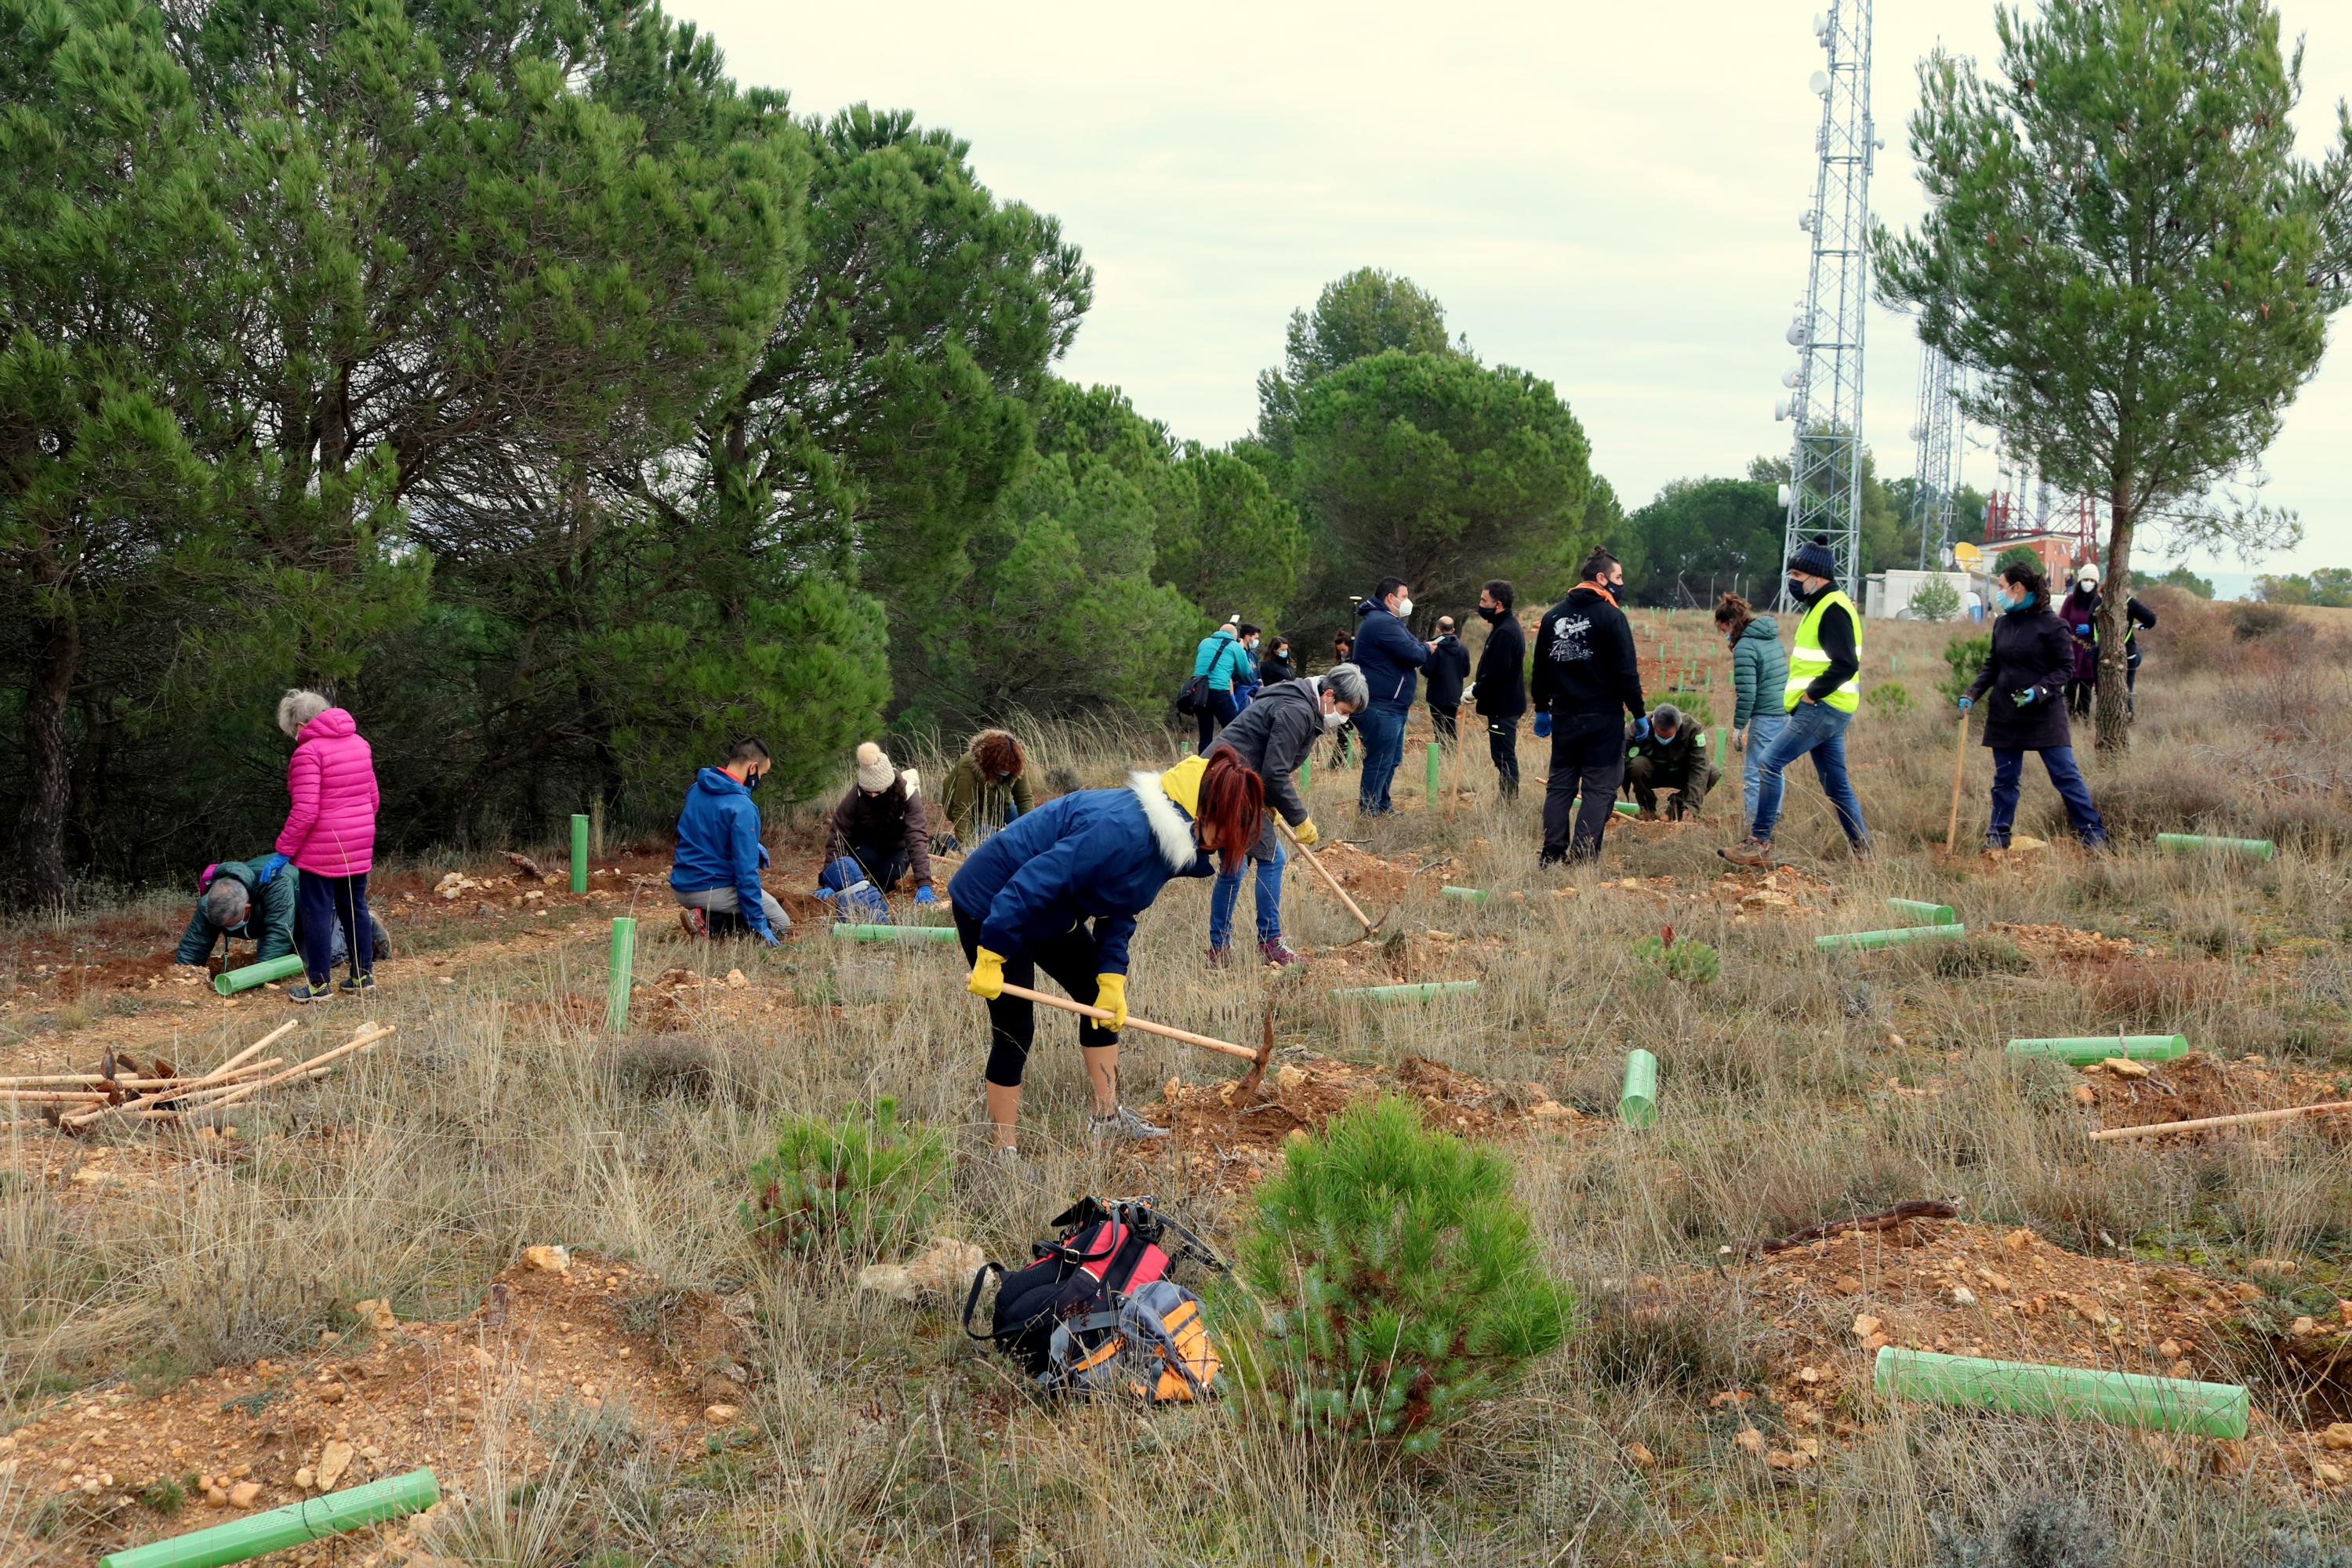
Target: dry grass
879 1434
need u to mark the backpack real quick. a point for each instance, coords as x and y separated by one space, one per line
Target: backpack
1192 697
1096 1311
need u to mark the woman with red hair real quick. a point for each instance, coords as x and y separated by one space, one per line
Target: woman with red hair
1059 890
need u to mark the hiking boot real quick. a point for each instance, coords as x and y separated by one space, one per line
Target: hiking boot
1221 958
1122 1126
1276 951
354 984
1864 851
695 922
1549 858
1750 851
307 992
1996 842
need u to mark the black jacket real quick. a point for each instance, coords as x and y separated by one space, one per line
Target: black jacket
1584 659
1274 669
2031 649
1274 735
1449 667
1502 681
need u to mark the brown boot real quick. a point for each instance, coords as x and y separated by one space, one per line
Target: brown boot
1750 851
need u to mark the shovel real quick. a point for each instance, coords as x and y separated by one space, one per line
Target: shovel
1256 1058
1324 872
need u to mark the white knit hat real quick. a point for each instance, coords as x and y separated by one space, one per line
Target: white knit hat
874 770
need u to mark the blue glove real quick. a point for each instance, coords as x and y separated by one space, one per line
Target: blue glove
1543 726
269 868
2082 630
1640 728
924 895
769 937
2025 698
1966 704
824 895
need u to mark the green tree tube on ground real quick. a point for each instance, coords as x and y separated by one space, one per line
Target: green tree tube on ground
2081 1050
1889 937
2129 1399
229 981
893 933
1638 1104
1468 895
2184 843
1427 991
625 959
279 1528
1921 910
1627 808
579 854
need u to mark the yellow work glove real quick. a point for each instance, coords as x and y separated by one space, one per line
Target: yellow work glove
1306 834
987 980
1110 995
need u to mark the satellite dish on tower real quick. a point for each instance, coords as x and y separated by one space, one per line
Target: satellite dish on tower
1820 83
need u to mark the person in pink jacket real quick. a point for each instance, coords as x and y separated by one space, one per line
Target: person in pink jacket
329 836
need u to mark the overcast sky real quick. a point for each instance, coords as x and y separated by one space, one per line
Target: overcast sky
1604 195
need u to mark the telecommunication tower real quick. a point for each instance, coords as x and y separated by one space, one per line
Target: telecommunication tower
1938 477
1825 490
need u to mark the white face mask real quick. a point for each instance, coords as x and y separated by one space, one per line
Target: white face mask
1404 608
1333 721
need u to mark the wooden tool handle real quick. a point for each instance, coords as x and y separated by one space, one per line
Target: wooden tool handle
1324 871
1145 1025
1959 773
2244 1119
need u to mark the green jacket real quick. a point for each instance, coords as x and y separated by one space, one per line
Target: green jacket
1759 672
968 801
268 919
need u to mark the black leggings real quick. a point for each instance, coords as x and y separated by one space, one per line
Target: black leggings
1069 959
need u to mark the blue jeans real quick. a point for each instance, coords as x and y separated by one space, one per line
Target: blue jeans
1383 733
1763 729
1820 729
1228 893
2009 769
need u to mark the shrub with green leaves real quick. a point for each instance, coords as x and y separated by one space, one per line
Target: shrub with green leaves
1963 660
1935 600
849 1186
1398 1279
1692 962
1888 698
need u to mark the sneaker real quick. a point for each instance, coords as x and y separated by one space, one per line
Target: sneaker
1996 842
1221 958
1864 851
1276 951
1122 1126
302 994
1749 851
1549 858
355 984
695 922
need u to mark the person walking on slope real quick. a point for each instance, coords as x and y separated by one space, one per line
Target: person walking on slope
1759 672
330 837
1586 674
1220 662
1499 693
716 869
987 789
1388 654
1671 756
2023 685
1274 735
1449 668
1820 697
1060 890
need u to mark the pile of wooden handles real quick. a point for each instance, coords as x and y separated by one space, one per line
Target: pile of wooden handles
96 1096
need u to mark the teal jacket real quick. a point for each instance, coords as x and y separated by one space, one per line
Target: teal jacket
1759 672
269 917
1225 661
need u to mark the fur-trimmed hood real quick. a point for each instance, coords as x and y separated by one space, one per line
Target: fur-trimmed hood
1172 825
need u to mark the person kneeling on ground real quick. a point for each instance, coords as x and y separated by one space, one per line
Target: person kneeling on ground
1672 756
255 900
1274 735
987 789
880 824
1060 889
2023 682
716 872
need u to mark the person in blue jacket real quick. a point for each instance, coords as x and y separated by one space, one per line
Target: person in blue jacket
1059 889
1388 653
1225 657
716 870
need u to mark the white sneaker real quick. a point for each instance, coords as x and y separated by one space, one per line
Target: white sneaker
1122 1126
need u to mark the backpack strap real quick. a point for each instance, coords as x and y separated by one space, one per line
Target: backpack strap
1194 1246
972 1300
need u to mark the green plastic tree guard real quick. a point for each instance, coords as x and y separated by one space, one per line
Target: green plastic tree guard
1638 1104
1429 775
229 981
625 959
1895 938
1469 895
2129 1399
1922 910
1183 748
2081 1050
2179 842
1428 991
579 854
1306 775
1722 746
893 933
1627 808
311 1519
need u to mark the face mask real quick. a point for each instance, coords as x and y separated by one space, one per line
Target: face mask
1490 614
1333 721
1796 589
1404 608
751 781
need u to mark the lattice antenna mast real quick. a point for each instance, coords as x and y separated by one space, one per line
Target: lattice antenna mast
1938 432
1824 491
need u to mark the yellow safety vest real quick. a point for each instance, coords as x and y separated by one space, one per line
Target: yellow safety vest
1808 663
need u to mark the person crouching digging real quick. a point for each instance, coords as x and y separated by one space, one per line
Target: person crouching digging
1274 736
1672 756
1059 890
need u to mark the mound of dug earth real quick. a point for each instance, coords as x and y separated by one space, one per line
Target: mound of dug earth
1226 1140
107 1468
2196 1086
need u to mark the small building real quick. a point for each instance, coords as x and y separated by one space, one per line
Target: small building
2061 553
1886 596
